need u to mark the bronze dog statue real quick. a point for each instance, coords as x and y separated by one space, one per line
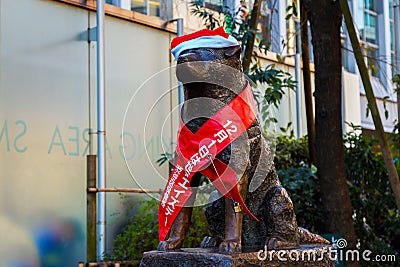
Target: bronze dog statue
268 200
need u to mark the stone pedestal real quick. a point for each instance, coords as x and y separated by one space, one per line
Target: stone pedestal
306 255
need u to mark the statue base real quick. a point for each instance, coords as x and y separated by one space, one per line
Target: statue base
306 255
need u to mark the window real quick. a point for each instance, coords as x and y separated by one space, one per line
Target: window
158 8
268 24
344 44
147 7
310 44
265 23
125 4
367 22
371 28
216 5
392 48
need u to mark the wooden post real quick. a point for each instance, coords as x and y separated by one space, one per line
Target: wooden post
387 155
91 210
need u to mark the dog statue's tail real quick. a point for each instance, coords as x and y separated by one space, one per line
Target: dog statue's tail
306 237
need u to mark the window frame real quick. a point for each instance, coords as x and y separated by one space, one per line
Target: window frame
392 38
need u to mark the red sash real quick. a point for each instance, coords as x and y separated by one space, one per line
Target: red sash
195 150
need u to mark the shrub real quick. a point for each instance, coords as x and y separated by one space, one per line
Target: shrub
302 186
140 234
291 161
376 219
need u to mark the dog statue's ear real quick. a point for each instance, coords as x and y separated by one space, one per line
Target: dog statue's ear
232 51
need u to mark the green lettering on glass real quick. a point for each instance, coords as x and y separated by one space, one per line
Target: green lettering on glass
85 137
21 134
108 149
130 146
56 140
4 131
145 148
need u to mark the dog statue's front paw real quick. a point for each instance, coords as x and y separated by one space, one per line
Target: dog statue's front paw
168 245
229 247
274 243
163 246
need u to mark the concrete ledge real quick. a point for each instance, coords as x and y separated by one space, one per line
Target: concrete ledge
306 255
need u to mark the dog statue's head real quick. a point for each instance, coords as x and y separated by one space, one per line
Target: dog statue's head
211 57
203 63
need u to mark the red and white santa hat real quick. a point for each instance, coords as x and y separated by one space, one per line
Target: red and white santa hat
217 38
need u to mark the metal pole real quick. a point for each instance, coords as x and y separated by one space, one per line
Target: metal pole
297 74
179 32
101 132
396 13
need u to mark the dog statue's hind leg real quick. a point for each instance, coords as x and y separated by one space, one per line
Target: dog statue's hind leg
279 219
